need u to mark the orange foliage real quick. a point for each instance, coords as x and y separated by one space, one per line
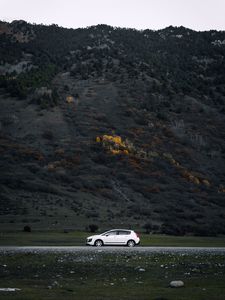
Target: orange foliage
135 163
113 151
20 150
193 177
70 99
30 152
67 163
221 189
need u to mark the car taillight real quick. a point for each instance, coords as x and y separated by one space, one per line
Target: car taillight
137 234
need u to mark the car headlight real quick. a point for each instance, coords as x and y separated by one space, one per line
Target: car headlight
89 240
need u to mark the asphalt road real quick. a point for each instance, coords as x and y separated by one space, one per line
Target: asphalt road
87 249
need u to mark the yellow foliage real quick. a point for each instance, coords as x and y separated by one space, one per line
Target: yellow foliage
107 137
196 180
206 182
114 144
115 139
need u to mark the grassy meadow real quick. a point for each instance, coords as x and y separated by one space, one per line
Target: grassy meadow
78 238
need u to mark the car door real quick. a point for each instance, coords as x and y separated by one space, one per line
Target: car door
110 238
123 236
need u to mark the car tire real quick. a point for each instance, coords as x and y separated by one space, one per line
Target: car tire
99 243
131 243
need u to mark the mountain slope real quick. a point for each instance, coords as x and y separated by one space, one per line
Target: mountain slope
112 126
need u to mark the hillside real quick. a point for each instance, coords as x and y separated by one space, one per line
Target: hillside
112 126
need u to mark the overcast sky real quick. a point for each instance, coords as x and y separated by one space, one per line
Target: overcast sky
140 14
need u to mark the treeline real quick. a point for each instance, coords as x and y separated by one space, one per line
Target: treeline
179 60
25 83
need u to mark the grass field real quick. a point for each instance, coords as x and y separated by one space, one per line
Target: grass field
78 238
99 275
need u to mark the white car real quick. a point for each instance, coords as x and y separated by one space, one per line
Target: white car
114 237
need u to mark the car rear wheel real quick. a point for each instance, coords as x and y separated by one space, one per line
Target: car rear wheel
131 243
98 243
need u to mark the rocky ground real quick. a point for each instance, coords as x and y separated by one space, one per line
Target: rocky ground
113 275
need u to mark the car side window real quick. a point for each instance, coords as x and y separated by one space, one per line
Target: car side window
123 232
110 233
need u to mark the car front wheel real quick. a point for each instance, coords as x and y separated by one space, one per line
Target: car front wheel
131 243
98 243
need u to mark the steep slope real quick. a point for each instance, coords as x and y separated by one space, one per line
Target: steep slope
112 126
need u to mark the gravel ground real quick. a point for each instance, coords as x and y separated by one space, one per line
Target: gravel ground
75 249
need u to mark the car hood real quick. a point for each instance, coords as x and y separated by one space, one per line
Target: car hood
92 236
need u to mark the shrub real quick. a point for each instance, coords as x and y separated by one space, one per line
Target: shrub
48 135
93 227
204 230
114 144
172 229
92 214
148 227
27 228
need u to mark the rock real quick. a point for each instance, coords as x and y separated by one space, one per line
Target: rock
42 91
141 270
9 289
176 284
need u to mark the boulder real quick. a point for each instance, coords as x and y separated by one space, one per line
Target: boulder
176 284
42 92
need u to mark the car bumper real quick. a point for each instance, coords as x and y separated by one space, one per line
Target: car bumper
90 243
